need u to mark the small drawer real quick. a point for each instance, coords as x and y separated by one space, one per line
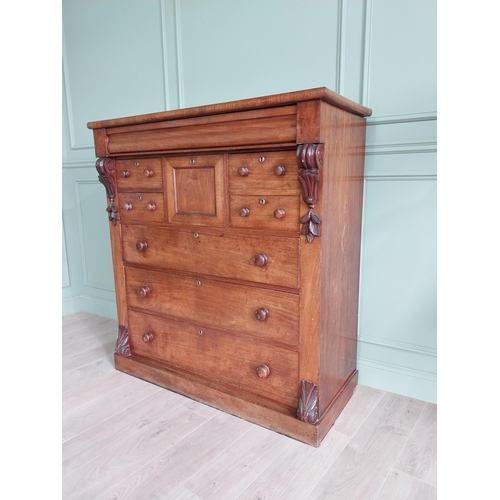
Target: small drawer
260 259
268 371
264 172
142 207
265 212
263 313
141 173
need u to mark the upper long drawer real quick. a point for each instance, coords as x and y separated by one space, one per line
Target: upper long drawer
265 126
262 259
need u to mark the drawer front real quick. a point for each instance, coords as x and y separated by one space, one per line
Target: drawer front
141 173
218 356
268 314
142 207
265 212
195 187
264 172
259 126
261 259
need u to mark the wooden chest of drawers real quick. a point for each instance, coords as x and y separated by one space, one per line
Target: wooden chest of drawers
235 232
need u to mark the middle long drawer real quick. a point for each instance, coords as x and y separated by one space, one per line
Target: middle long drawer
267 314
262 259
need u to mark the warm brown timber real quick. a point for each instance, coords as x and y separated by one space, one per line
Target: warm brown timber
279 213
341 242
218 254
195 190
213 303
130 439
233 360
265 130
230 401
236 232
260 171
321 93
139 173
141 207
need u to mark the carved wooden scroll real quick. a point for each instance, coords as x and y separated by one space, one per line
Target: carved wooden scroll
308 402
106 169
122 347
309 160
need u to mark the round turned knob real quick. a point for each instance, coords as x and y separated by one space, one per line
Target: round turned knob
127 206
279 170
147 337
244 212
124 173
151 207
263 371
148 173
141 246
261 314
144 291
260 259
243 171
279 213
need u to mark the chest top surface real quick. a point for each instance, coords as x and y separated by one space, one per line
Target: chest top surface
289 98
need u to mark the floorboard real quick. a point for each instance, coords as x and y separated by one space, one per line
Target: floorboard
124 438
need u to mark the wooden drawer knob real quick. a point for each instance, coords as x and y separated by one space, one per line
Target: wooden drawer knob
261 314
127 206
151 207
124 173
144 291
263 371
279 170
244 212
148 173
260 259
141 246
243 171
148 337
279 213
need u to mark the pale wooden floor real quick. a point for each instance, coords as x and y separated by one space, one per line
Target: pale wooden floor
124 438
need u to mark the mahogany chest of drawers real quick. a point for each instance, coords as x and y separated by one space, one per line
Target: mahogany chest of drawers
235 232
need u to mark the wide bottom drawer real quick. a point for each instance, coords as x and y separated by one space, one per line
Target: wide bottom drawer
267 371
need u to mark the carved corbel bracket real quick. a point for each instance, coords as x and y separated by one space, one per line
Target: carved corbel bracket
310 161
122 347
308 402
106 169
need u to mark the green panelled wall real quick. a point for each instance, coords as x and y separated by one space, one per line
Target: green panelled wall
127 57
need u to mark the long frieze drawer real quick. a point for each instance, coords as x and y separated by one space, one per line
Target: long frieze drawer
268 314
264 171
264 370
265 212
142 207
262 127
140 173
261 259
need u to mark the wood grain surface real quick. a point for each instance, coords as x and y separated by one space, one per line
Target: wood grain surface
208 302
158 444
200 251
322 93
